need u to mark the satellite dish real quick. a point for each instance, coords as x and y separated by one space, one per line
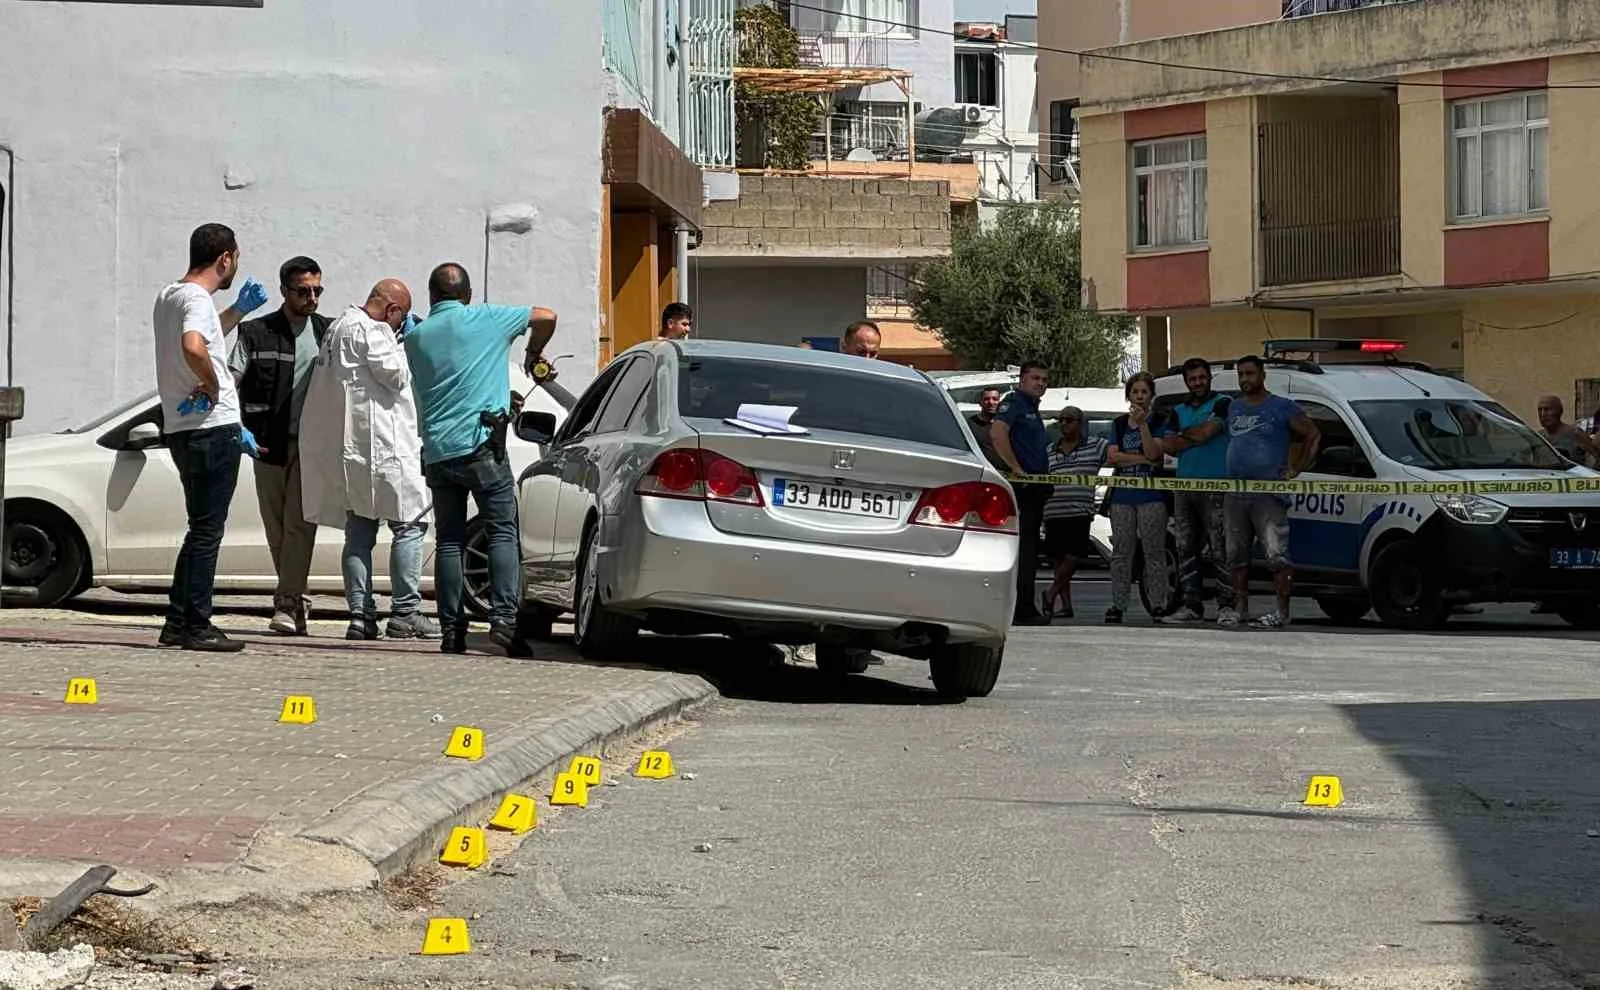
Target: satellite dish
860 155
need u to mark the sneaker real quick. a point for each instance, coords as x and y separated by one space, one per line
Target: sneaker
1228 617
453 640
503 636
365 631
213 640
1182 616
413 626
1065 611
171 634
288 621
1271 620
1113 616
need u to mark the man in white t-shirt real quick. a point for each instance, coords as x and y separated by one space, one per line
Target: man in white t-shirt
200 417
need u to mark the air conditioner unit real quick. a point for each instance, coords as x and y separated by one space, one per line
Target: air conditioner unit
973 114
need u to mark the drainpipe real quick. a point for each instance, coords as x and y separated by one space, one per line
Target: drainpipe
658 63
681 232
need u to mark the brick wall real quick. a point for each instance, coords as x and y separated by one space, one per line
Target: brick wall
818 216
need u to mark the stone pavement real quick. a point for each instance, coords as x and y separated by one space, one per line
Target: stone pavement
182 764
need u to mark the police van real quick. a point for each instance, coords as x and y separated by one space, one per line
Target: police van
1412 558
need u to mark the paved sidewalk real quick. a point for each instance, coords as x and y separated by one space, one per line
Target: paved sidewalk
182 764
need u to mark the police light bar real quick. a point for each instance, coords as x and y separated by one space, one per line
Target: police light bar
1329 345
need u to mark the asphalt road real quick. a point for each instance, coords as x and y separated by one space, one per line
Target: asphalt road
1124 811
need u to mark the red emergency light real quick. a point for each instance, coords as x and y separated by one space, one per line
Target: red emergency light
1382 346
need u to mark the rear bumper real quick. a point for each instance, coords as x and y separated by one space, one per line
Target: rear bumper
665 555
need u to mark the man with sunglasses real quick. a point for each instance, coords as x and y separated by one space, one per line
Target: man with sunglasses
272 362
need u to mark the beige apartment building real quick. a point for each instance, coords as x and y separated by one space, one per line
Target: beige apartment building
1421 170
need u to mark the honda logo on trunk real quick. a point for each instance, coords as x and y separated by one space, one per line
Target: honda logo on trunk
844 460
1580 522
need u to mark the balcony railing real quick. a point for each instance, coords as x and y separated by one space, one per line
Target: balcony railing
1330 196
1303 8
843 51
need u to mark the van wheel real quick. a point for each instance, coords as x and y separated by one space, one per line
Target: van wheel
965 671
43 551
598 632
1344 611
1404 594
475 584
1174 593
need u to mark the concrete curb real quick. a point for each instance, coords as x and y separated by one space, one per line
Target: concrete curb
401 823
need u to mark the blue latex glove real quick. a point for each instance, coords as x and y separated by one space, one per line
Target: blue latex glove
247 440
409 325
198 402
252 297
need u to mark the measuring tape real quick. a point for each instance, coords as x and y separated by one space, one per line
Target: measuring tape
1538 486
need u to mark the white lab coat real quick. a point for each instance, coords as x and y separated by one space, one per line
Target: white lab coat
360 450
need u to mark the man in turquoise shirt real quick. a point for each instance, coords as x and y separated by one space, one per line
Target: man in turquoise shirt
1202 449
460 369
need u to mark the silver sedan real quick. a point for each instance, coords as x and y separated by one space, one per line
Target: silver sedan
775 494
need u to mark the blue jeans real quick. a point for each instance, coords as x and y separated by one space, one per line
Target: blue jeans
405 566
208 467
490 485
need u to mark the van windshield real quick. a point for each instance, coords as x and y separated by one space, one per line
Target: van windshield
1455 434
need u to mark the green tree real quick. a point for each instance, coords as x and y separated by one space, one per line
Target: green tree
1011 291
774 130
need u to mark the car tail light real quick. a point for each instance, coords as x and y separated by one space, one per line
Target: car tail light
969 505
700 475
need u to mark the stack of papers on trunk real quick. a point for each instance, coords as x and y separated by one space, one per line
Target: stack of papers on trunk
767 420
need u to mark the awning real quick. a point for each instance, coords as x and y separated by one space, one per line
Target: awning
647 172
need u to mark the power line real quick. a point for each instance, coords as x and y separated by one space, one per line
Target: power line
1255 73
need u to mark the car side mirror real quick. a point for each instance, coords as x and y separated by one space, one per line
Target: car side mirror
536 427
143 436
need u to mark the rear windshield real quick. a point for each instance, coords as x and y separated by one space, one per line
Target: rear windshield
827 399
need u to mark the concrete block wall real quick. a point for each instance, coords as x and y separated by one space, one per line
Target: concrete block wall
823 216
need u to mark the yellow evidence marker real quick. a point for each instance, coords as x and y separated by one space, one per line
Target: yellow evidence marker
81 691
467 847
655 765
587 768
570 789
298 709
1324 792
466 743
446 937
517 815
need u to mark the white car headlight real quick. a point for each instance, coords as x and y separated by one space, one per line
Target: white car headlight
1474 510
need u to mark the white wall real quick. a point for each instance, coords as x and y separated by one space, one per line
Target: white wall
374 135
777 304
1007 145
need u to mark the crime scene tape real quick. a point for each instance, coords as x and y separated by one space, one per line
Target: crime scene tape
1536 486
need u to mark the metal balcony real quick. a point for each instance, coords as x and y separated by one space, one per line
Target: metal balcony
1304 8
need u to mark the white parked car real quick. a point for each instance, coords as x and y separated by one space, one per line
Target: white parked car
100 505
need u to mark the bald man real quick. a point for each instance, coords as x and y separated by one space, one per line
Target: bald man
362 459
862 338
1569 441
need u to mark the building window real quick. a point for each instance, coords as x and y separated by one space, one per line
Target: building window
1063 143
1501 148
889 290
977 78
897 18
1169 178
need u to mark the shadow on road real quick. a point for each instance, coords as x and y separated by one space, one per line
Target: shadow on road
753 672
1514 786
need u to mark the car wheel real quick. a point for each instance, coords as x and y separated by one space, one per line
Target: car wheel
1173 591
1580 616
43 551
475 572
965 671
838 661
1404 594
1344 611
598 632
